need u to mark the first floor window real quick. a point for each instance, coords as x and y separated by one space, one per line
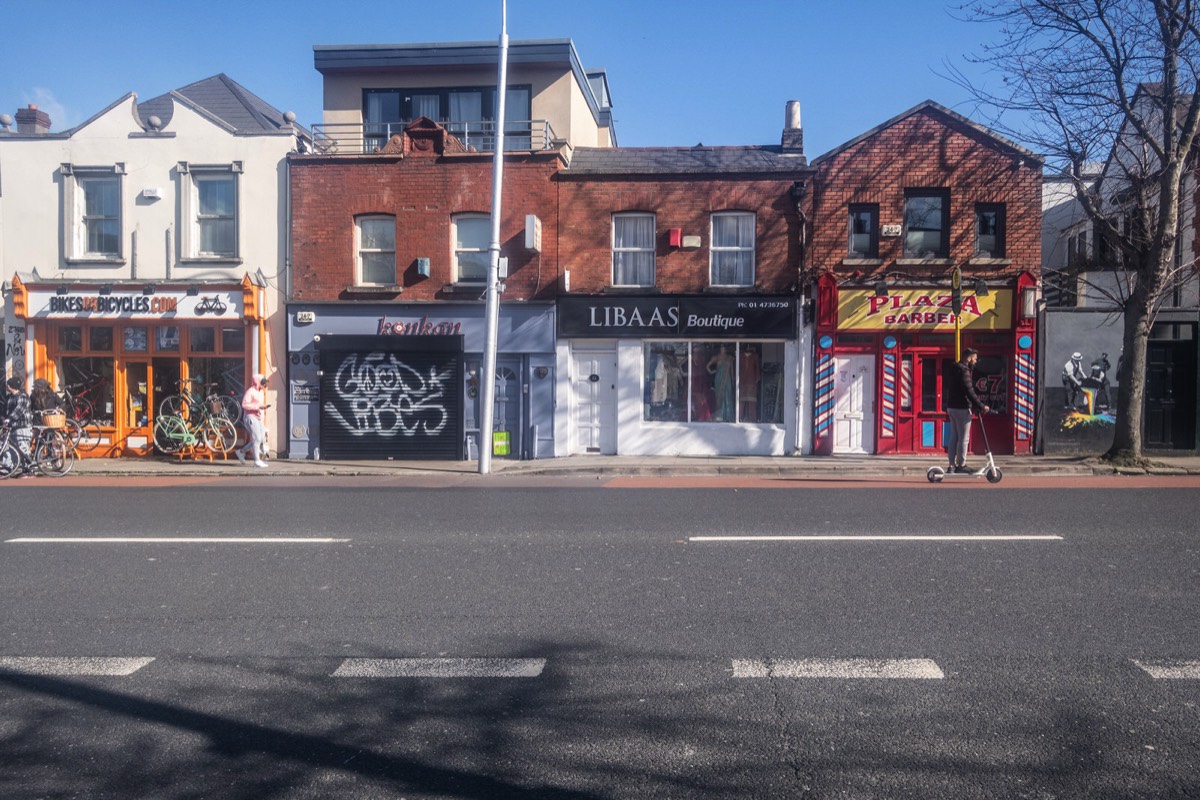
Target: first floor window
471 236
926 223
376 250
633 249
989 230
713 382
216 214
864 226
732 249
101 215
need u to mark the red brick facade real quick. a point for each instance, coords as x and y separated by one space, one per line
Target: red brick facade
686 202
423 191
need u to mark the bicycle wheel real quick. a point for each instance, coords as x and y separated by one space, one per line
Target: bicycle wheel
54 456
170 434
10 459
231 409
89 437
81 410
174 406
219 435
74 432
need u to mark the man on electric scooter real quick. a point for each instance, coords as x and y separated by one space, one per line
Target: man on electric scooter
960 401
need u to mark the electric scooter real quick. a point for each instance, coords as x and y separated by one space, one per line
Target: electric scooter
989 469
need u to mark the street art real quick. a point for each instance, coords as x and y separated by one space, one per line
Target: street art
377 395
14 350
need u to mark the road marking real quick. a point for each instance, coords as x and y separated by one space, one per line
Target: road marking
440 668
171 540
880 538
72 665
908 668
1171 670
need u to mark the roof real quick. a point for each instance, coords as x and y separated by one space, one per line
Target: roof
683 160
223 98
936 108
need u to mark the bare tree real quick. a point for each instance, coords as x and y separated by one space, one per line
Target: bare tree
1114 81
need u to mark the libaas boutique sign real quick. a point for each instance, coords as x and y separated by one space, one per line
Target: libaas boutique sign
743 316
922 309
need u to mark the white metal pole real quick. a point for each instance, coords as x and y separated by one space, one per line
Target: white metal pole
487 377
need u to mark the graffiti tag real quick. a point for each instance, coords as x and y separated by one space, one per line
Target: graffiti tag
375 394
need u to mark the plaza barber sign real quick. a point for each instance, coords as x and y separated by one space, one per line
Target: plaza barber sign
922 309
626 317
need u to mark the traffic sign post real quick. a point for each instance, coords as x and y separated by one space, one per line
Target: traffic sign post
956 305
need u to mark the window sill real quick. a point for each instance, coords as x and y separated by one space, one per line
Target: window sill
862 262
990 262
97 261
476 289
208 261
631 290
925 262
374 290
730 289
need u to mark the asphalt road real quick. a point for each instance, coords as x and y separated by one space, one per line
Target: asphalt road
451 638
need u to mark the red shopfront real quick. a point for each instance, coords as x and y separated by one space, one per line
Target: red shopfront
879 358
124 347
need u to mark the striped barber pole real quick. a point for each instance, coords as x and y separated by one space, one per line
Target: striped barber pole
906 381
889 396
824 395
1023 403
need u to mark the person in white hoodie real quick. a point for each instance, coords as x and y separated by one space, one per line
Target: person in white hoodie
254 403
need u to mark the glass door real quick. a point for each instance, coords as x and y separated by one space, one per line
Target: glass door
136 406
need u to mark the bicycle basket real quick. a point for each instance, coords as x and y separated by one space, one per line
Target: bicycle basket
214 406
54 419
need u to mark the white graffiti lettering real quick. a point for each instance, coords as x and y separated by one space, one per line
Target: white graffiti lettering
375 394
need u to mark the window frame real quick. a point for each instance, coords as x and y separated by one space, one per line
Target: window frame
191 228
943 195
75 238
1001 233
455 222
377 131
715 250
359 249
652 249
872 212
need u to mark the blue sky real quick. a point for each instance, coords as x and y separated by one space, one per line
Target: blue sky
680 73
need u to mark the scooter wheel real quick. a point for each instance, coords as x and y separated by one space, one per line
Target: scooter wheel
935 474
995 475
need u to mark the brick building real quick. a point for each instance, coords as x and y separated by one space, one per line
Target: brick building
679 328
898 213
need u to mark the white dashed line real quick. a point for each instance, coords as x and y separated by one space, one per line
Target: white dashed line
895 668
171 540
440 668
72 665
879 538
1171 670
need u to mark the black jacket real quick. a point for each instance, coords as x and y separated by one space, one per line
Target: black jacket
958 390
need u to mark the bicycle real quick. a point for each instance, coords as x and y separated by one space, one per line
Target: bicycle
50 452
84 429
173 435
212 403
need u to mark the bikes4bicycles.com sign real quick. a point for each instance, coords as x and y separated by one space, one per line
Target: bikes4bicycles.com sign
135 305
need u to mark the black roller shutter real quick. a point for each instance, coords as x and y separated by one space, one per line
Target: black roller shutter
397 397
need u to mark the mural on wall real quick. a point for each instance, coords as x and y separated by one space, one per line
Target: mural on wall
14 350
1083 352
377 394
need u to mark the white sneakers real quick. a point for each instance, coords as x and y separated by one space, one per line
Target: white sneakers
259 463
241 458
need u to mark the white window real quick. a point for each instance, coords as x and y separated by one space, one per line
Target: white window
209 211
92 229
376 247
633 249
471 235
732 250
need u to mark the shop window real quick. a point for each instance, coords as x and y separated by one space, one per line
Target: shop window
91 378
166 338
929 385
713 382
100 339
233 340
226 373
70 339
137 339
991 382
203 340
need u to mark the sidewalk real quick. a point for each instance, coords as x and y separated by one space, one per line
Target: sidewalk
831 467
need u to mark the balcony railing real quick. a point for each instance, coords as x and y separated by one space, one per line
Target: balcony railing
351 138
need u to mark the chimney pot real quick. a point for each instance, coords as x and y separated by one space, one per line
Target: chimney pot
792 142
32 120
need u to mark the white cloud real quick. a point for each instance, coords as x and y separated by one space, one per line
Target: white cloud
60 118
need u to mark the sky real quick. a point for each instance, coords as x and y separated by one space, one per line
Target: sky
680 73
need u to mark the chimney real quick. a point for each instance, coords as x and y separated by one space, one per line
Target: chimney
32 120
793 134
